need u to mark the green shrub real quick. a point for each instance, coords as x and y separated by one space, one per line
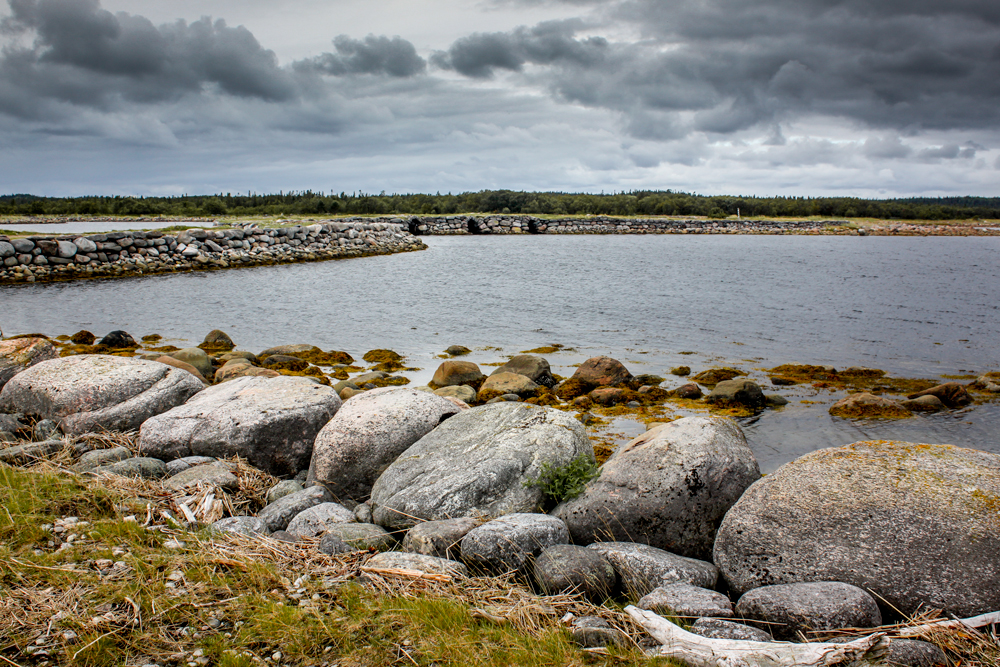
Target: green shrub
559 483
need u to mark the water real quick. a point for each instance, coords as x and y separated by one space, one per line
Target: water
914 307
93 227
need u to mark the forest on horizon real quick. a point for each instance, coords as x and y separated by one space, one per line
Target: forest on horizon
636 203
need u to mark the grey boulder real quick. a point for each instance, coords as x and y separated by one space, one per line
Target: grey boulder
180 465
217 474
248 526
567 568
94 392
511 542
821 605
476 464
643 568
270 422
277 515
139 466
669 487
686 601
439 538
531 366
368 433
715 628
915 524
317 519
101 457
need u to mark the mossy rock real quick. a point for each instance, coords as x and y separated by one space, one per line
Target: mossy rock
83 337
799 373
868 406
574 387
458 351
716 375
681 371
217 341
381 356
282 362
862 372
394 381
151 338
388 366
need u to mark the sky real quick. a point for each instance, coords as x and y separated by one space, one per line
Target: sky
878 98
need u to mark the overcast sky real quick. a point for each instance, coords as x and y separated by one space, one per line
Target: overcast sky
876 98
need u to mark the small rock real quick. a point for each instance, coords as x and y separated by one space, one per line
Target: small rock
139 466
533 367
462 392
363 513
318 518
118 340
282 489
217 340
46 429
512 541
681 371
775 400
210 474
565 568
686 601
689 391
643 568
738 392
241 525
101 457
331 544
914 653
439 538
602 372
180 465
821 605
458 350
458 372
362 536
277 514
21 454
501 384
396 560
595 632
715 628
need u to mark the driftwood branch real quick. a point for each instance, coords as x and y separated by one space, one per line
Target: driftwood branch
700 651
974 622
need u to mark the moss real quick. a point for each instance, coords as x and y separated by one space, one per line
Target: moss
381 356
83 337
388 366
714 376
546 349
394 381
574 387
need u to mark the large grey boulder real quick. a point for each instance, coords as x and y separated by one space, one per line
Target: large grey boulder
788 609
511 542
643 568
531 366
18 354
98 392
368 433
270 422
915 524
668 488
476 464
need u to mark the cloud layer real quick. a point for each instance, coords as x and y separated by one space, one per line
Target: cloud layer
813 96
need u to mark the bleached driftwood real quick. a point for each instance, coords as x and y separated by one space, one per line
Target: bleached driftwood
699 651
974 622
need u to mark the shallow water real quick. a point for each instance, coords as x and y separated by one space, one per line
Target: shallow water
91 227
915 307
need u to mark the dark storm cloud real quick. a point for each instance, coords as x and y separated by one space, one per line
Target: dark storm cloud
372 55
480 54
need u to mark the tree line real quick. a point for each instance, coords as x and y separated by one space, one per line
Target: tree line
636 203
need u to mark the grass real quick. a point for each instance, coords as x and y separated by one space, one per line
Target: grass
123 592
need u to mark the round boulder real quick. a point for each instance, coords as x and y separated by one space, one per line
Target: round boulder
462 392
118 340
271 422
511 542
477 463
602 372
915 524
531 366
195 357
93 392
452 373
566 568
868 406
743 393
439 538
686 601
217 341
500 384
368 433
788 609
668 488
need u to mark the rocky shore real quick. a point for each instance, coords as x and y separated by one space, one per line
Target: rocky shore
678 522
40 258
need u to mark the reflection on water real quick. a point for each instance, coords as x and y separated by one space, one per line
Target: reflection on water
915 307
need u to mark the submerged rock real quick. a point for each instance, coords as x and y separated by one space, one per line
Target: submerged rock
868 406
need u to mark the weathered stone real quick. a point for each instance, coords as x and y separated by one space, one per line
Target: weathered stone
566 568
363 513
715 628
249 526
533 367
282 362
183 365
595 632
330 544
217 340
602 372
362 536
642 568
476 464
689 391
18 354
84 244
744 393
66 249
439 538
915 524
317 519
139 466
868 406
397 560
195 357
94 392
952 394
458 372
218 474
101 457
118 340
511 542
370 432
608 396
462 392
45 429
788 609
457 350
277 515
914 653
30 452
668 488
83 337
283 488
686 601
500 384
681 371
270 422
180 465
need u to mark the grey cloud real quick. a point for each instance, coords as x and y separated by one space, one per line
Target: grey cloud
373 55
553 42
886 148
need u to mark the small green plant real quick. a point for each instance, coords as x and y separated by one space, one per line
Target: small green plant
565 482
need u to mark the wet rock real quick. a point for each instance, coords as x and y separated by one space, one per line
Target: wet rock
101 457
690 391
643 568
868 406
573 388
139 466
369 433
500 384
668 488
457 350
821 605
238 354
362 536
218 474
118 340
382 357
397 560
511 542
249 526
913 523
318 519
476 464
281 362
744 393
283 488
952 394
439 538
462 392
180 465
533 367
602 372
686 601
681 371
566 568
94 392
18 354
926 403
714 376
714 628
183 365
83 337
270 422
775 400
277 514
452 373
216 341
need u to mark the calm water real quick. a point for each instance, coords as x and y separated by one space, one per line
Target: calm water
917 307
92 227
